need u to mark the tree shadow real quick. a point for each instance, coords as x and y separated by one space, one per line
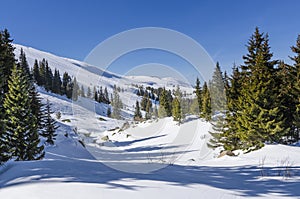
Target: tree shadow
244 180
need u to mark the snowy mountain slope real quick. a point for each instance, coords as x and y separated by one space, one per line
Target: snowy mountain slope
69 171
90 76
154 159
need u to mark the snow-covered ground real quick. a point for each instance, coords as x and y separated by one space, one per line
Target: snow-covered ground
157 159
154 159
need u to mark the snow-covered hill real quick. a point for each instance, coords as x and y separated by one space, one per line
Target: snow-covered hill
157 159
154 159
90 76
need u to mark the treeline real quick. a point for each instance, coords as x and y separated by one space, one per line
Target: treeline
173 103
52 81
24 120
263 99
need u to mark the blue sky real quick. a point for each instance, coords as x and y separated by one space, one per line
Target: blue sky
73 28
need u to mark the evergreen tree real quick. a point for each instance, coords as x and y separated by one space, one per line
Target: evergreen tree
295 89
258 116
206 103
24 64
56 83
42 72
217 91
144 101
20 122
7 59
36 73
82 93
165 108
148 109
287 100
137 113
65 82
106 98
48 77
116 104
49 131
89 92
198 93
176 110
95 94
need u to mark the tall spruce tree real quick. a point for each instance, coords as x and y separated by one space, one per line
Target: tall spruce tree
198 93
217 91
295 91
7 61
258 118
20 122
206 103
137 113
116 104
165 107
177 116
49 130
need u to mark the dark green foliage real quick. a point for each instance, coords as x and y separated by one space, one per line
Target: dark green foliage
176 110
257 100
217 91
148 109
20 122
198 93
206 103
295 90
165 101
7 62
7 58
49 130
137 113
56 83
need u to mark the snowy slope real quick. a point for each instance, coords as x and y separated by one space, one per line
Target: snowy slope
154 159
123 170
90 76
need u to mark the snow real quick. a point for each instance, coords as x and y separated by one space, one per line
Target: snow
153 159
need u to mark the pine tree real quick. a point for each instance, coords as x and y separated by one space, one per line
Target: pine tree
176 110
258 116
165 108
82 93
49 131
287 100
148 109
95 94
7 58
106 98
137 113
24 64
206 103
36 73
198 93
20 122
56 83
89 92
116 104
217 91
144 101
295 90
65 82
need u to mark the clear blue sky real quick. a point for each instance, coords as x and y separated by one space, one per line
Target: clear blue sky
73 28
